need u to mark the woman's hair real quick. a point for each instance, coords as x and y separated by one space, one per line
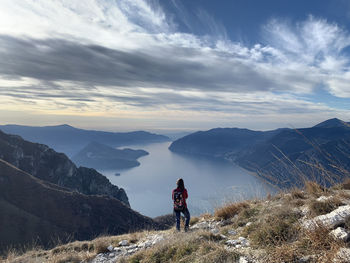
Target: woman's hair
180 183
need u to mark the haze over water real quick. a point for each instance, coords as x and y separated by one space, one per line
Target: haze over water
209 182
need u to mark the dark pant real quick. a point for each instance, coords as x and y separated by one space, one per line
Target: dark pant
187 218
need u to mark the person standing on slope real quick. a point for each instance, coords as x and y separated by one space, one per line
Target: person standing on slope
179 197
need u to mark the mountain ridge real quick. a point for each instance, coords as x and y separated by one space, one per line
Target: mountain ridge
280 156
69 140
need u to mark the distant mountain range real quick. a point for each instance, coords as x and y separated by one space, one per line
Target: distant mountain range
70 140
100 156
283 157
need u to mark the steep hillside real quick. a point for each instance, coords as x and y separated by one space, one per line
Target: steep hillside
69 140
100 156
44 163
37 212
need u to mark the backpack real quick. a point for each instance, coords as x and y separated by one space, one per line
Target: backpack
179 203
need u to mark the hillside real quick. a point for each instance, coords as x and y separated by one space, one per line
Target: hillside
100 156
70 140
37 212
217 142
310 225
283 157
44 163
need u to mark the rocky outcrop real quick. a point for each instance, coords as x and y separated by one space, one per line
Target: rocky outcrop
44 163
330 220
126 249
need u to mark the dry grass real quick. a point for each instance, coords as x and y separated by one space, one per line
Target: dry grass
189 248
278 227
314 188
317 208
319 242
230 210
296 193
194 220
346 184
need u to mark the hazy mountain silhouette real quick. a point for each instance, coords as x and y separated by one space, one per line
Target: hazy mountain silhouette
69 140
100 156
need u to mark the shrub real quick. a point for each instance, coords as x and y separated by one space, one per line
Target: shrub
230 210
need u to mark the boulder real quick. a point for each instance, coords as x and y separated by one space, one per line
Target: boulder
330 220
340 233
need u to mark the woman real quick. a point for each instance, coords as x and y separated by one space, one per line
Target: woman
179 197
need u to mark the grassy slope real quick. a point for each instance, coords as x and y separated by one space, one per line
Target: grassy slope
274 232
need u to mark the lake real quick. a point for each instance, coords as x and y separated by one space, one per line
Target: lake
209 182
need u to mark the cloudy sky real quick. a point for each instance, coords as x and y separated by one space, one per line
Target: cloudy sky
174 64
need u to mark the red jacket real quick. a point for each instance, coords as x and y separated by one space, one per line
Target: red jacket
184 195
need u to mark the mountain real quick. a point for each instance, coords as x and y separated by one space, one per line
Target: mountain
37 212
283 157
319 153
44 163
332 123
218 142
100 156
69 140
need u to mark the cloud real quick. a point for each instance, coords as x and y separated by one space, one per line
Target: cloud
129 55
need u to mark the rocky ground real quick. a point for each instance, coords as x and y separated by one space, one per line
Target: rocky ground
310 225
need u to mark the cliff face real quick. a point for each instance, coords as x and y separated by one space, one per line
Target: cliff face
35 211
44 163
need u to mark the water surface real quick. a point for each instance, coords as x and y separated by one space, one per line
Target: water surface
209 182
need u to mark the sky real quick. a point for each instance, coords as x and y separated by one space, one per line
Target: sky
174 65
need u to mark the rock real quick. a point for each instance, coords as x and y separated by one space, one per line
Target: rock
248 224
111 255
342 255
232 242
232 232
124 243
223 236
201 225
324 198
215 231
238 243
110 248
340 233
243 260
331 219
